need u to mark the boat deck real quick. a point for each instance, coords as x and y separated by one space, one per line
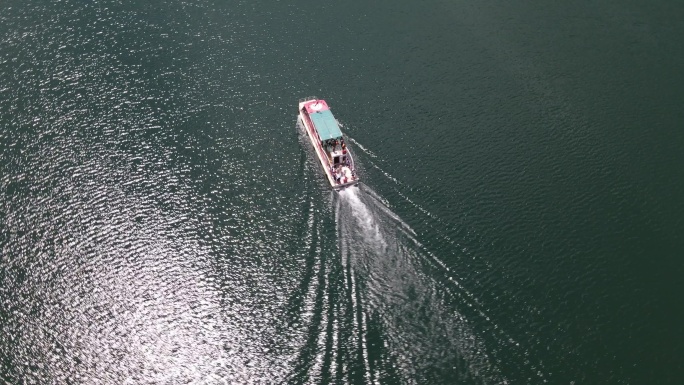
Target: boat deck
332 173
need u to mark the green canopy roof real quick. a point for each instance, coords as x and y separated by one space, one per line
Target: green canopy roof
326 125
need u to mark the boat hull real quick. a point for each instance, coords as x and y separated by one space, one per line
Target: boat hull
321 154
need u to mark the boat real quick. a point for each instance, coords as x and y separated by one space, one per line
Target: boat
326 137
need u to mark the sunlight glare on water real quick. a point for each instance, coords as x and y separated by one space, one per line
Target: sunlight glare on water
163 221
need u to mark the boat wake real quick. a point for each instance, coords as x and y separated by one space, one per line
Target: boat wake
396 299
381 307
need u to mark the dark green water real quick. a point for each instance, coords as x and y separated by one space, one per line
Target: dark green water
163 220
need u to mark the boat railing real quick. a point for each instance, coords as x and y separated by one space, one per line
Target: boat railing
307 98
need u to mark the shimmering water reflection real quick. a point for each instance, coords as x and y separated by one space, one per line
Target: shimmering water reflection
162 220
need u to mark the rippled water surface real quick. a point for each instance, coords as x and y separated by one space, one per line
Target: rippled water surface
163 218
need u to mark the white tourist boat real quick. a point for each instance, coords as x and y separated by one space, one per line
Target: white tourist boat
326 137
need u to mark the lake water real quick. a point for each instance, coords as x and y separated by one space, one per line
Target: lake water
163 218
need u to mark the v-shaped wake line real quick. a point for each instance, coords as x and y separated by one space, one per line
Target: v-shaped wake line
396 289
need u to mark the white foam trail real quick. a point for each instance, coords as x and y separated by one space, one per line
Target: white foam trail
364 218
364 149
384 205
387 271
387 254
